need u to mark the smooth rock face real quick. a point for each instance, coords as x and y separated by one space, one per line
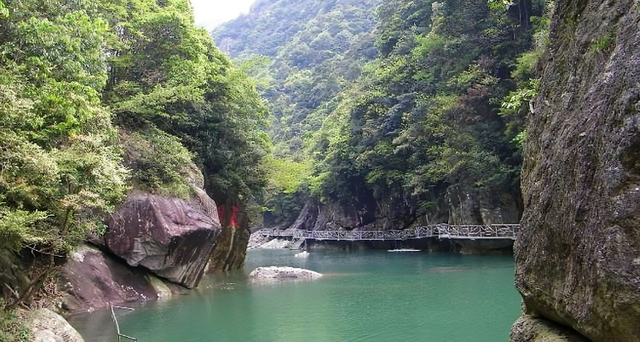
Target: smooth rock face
171 237
91 280
280 273
578 255
47 326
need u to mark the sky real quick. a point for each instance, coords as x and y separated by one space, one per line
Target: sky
210 13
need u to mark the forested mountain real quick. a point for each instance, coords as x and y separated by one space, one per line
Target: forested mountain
427 126
314 50
98 98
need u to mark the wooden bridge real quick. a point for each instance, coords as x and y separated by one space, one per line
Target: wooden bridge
441 231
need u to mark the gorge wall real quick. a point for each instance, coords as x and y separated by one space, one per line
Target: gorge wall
578 255
397 209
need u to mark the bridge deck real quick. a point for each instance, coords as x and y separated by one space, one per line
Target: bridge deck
441 231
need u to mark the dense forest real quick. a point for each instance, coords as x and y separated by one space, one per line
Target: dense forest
393 112
98 99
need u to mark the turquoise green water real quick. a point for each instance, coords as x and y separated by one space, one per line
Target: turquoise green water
364 296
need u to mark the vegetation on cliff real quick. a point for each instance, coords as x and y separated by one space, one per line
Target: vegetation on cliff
100 97
397 99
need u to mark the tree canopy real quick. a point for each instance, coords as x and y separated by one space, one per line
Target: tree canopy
100 97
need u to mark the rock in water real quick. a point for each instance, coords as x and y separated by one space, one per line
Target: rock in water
304 254
171 237
578 253
279 273
529 329
91 279
47 326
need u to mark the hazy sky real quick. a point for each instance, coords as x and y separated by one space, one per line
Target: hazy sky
210 13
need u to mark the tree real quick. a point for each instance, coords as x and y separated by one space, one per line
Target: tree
60 165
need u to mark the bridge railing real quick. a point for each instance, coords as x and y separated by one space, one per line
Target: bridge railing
444 231
507 231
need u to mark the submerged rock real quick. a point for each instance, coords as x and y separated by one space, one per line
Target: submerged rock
279 273
173 238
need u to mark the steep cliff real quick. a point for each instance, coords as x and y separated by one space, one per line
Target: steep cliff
230 249
578 256
401 210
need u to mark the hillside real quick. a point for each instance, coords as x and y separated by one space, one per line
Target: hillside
405 121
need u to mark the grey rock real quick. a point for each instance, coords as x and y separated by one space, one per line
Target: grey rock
529 329
282 273
579 244
47 326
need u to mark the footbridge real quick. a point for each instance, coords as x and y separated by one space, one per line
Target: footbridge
441 231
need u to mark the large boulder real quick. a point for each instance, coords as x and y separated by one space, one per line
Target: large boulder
171 237
578 254
47 326
90 280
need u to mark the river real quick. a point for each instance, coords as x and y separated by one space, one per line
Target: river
364 296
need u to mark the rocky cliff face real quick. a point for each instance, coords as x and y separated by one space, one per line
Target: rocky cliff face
398 211
578 256
231 247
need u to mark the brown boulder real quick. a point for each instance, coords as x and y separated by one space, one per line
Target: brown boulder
578 254
92 280
173 238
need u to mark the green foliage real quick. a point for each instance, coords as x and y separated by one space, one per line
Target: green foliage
516 104
421 114
61 169
287 176
3 10
68 67
160 163
315 47
166 74
12 327
603 44
498 5
18 227
424 116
